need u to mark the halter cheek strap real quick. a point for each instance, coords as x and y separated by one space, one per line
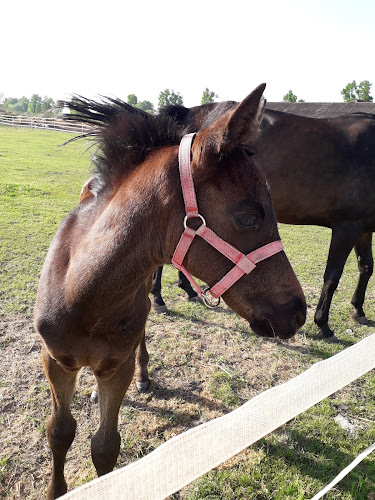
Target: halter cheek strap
244 264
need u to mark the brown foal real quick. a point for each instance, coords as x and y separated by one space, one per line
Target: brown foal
92 302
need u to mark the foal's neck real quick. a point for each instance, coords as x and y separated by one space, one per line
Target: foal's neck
137 230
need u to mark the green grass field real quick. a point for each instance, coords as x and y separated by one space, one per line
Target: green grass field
39 184
203 363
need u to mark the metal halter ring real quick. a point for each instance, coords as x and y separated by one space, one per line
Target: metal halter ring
210 301
198 215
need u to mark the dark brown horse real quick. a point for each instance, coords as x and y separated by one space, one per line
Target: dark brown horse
93 301
321 172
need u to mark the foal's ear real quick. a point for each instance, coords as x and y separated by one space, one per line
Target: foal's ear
243 123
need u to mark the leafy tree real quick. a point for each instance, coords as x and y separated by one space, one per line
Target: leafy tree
10 101
35 105
2 97
146 106
21 105
167 97
290 97
208 96
47 103
349 93
132 99
15 105
361 92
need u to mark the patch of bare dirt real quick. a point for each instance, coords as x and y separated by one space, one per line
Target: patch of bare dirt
185 357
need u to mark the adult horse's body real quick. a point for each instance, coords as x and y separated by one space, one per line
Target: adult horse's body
321 172
93 301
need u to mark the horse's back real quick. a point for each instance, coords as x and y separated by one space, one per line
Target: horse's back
319 169
359 131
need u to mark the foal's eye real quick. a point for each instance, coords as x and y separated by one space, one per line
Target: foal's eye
248 221
249 150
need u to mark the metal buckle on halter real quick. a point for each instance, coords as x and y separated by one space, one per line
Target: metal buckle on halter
195 216
210 301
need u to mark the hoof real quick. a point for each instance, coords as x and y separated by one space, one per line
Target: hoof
362 320
94 397
142 387
56 489
196 298
160 309
331 340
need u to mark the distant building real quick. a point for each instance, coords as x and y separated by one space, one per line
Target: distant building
322 109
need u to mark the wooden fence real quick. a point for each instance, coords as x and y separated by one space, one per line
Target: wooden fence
43 123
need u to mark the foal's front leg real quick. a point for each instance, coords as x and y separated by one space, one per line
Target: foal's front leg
61 426
105 444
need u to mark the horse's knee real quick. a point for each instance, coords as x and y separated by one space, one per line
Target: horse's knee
366 269
61 433
331 281
104 451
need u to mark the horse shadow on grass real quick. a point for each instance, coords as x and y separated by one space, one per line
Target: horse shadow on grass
316 458
173 313
176 417
371 323
162 393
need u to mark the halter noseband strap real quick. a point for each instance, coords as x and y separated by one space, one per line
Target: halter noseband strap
244 264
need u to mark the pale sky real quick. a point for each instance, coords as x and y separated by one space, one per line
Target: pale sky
114 48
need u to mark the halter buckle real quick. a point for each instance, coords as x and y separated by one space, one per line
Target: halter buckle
210 301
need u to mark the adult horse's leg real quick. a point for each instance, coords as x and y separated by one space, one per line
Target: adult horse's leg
184 283
343 240
142 379
61 426
363 250
105 444
158 303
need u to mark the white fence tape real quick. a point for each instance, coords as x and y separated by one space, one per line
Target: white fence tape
344 472
191 454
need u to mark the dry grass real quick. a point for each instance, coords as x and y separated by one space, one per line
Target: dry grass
189 363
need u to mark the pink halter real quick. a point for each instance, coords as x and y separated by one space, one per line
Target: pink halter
244 264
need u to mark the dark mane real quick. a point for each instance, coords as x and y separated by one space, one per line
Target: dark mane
175 111
217 110
124 135
204 115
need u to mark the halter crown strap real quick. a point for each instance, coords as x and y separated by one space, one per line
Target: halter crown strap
244 264
188 191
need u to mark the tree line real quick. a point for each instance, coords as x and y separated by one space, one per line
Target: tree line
169 97
352 92
36 105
